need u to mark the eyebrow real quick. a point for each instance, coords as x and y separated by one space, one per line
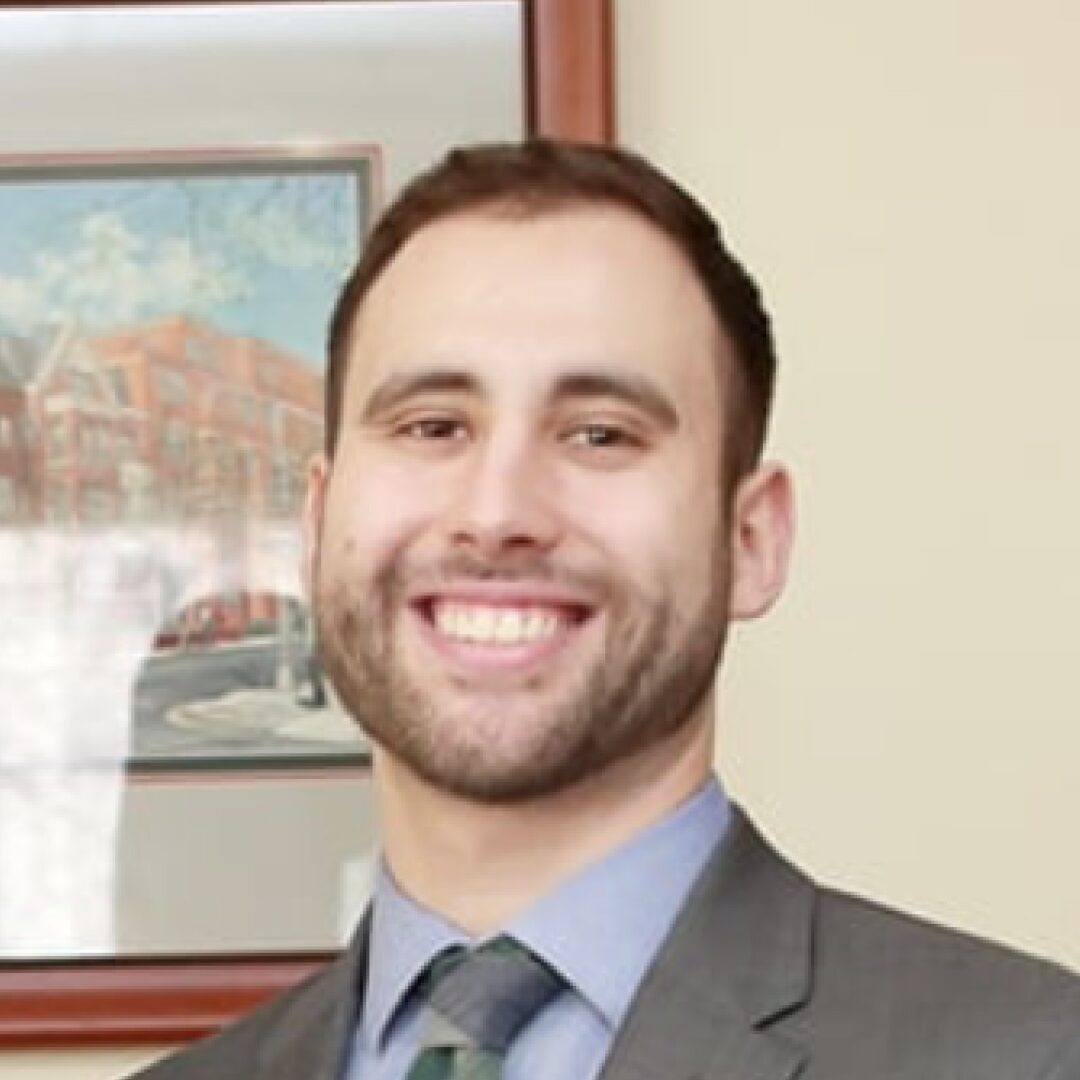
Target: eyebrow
634 390
398 388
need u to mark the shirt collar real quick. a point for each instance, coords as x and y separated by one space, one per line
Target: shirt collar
405 938
600 943
602 928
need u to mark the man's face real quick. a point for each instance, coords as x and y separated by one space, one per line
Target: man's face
519 563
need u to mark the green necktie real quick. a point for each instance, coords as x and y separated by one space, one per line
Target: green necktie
476 1001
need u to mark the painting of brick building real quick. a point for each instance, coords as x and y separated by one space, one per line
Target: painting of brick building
170 420
162 321
161 329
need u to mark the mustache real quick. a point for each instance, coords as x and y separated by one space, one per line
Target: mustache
509 568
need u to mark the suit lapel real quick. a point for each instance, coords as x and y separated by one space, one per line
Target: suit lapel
737 958
313 1039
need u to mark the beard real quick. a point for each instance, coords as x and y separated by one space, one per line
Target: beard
654 667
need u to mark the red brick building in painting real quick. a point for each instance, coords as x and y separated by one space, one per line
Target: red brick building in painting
170 421
18 359
14 481
226 424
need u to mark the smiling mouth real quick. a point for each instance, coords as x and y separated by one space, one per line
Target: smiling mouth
501 626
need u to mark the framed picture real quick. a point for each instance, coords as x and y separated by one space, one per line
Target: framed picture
162 395
182 189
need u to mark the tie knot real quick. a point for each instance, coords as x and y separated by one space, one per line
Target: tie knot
482 997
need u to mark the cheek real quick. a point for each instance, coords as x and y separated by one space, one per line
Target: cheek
370 514
659 530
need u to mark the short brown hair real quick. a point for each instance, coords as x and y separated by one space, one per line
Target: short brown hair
541 176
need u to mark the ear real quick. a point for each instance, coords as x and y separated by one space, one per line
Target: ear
762 531
311 519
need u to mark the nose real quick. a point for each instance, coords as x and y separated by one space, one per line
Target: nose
504 500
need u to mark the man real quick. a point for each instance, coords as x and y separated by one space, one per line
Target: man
541 503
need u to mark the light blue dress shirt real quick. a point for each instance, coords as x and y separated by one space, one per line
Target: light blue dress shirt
600 929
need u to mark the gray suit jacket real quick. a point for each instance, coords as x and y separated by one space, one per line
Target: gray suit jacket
764 977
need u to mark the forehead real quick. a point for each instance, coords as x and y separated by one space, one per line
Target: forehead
522 298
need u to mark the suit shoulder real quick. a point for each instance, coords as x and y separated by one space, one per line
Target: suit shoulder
943 980
843 914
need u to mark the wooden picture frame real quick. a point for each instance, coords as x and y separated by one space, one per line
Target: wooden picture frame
567 72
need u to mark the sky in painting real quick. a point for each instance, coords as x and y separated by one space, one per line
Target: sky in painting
258 253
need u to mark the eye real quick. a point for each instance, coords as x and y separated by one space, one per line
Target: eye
600 436
433 429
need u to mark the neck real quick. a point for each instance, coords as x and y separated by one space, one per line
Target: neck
479 865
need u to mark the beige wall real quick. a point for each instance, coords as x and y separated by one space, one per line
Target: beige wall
74 1064
903 179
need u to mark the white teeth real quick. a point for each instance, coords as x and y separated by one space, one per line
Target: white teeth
509 626
495 625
